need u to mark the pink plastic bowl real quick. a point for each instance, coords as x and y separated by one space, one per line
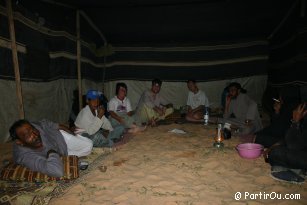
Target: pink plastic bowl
249 150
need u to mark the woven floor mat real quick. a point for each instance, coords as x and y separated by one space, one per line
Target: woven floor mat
42 193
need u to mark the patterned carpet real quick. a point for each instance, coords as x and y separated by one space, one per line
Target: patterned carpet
40 193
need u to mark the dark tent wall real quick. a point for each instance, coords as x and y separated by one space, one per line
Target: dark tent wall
47 64
288 49
48 41
206 40
48 48
203 63
214 42
287 64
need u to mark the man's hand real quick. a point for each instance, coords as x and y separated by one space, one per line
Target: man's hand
105 133
169 105
228 99
51 151
161 111
66 129
267 151
299 113
73 129
100 112
121 121
277 107
227 103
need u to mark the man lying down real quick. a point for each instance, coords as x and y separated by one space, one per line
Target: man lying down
39 146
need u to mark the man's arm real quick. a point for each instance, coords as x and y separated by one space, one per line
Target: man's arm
116 117
169 105
227 111
189 108
112 110
66 129
164 101
56 126
92 124
160 110
130 113
201 107
164 104
279 116
148 100
50 165
296 136
252 110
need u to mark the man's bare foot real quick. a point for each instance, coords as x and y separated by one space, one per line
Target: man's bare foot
131 130
142 128
152 123
137 129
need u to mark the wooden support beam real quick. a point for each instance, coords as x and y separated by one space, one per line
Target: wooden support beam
294 5
91 23
79 58
15 58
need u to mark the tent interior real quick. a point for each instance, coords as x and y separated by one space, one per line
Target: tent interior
261 44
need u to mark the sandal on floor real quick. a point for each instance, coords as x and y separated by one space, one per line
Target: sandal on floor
300 172
287 176
278 168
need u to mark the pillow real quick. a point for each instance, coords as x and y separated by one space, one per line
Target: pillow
15 172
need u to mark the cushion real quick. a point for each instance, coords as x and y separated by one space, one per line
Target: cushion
15 172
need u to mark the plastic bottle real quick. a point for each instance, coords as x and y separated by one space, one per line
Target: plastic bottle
206 116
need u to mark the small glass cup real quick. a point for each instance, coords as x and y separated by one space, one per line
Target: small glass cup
83 165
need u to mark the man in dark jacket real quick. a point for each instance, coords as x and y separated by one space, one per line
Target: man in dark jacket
39 146
291 152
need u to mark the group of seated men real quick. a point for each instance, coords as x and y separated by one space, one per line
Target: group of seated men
39 146
285 140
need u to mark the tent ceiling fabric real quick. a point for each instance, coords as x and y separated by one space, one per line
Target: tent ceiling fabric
173 22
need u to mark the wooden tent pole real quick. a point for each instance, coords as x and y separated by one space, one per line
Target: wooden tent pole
88 19
79 59
15 58
283 20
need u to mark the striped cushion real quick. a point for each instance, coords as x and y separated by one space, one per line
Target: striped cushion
15 172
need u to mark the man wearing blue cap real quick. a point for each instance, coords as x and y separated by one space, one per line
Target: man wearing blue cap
91 119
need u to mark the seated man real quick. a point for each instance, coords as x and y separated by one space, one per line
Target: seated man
280 122
197 101
241 110
91 119
152 107
120 110
38 146
290 152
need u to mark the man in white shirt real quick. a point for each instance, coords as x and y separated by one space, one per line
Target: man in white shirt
91 119
197 101
120 110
